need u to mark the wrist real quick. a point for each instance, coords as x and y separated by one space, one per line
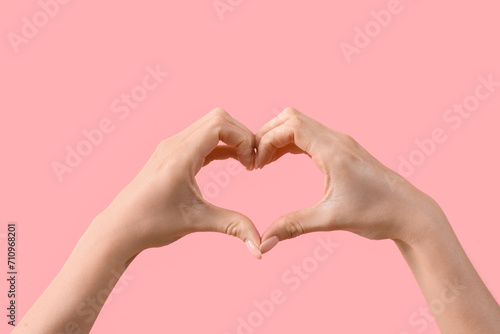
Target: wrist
424 223
114 241
428 237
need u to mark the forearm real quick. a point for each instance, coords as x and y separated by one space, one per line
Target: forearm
455 293
75 297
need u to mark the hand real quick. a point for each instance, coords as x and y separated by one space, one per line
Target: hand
360 194
363 196
163 203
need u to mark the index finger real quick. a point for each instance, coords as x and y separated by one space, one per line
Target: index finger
222 127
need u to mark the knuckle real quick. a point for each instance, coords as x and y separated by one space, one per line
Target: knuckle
247 147
160 148
294 229
218 121
233 229
163 144
296 122
266 140
248 141
163 150
352 162
219 112
266 146
348 139
290 111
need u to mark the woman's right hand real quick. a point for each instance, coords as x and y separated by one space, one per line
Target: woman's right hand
163 203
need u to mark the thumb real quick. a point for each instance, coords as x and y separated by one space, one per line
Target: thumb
235 224
312 219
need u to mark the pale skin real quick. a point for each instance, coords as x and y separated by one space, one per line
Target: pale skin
163 203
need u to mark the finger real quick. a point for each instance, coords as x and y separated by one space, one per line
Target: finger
278 120
292 133
281 151
235 224
239 124
205 118
270 142
220 129
221 152
219 112
312 219
196 126
207 121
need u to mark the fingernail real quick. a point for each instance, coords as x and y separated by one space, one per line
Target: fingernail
253 249
267 245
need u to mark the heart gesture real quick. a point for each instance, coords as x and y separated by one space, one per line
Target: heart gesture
163 203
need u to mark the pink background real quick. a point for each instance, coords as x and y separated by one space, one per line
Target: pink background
260 57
